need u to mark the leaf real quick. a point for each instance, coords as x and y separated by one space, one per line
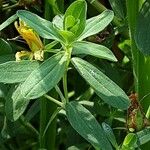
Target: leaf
75 17
73 148
49 46
8 22
3 90
92 49
6 58
143 136
105 88
119 7
14 72
110 135
43 27
142 36
96 24
68 36
45 77
129 141
5 48
87 126
58 21
32 111
15 104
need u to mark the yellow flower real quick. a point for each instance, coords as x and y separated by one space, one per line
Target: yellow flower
32 39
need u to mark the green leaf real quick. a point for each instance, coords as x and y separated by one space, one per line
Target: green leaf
6 58
43 27
15 104
129 141
87 126
70 22
119 7
45 77
110 135
58 21
49 46
5 48
96 24
14 72
75 17
142 36
32 111
8 22
143 136
68 36
148 112
73 148
92 49
105 88
3 90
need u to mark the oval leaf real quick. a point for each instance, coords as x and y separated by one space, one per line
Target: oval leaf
87 126
3 90
75 17
92 49
58 21
15 104
45 77
14 72
143 136
43 27
110 135
129 141
8 22
119 7
105 88
5 48
96 24
6 58
142 36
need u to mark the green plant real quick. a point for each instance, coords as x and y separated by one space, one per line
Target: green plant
42 73
70 31
137 17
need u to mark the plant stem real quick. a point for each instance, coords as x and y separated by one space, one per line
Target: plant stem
11 7
65 86
97 5
53 100
60 94
68 50
43 115
47 109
